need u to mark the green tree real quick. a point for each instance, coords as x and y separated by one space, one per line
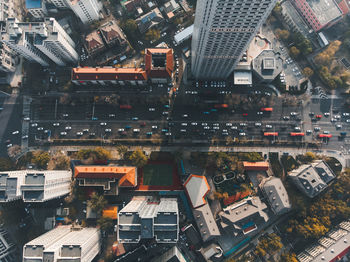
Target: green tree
59 162
41 159
152 35
269 244
129 26
277 9
308 72
97 203
288 257
122 150
295 52
6 164
282 34
105 223
138 158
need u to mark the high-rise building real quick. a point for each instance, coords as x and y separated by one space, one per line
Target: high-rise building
222 32
7 247
64 243
87 10
34 185
40 41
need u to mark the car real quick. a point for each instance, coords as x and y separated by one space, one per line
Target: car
317 128
164 130
224 133
85 130
168 134
108 130
40 128
346 114
15 132
134 118
136 130
259 113
26 118
68 128
234 127
308 131
327 114
333 120
194 123
149 133
242 134
257 124
79 133
326 132
204 124
151 109
216 124
183 130
228 124
25 137
286 118
65 115
103 124
243 124
63 133
206 113
297 128
92 134
311 113
94 118
245 114
121 130
9 145
338 126
46 131
154 127
206 127
336 116
318 116
183 124
165 113
268 126
184 115
216 127
293 113
111 115
347 120
34 124
56 124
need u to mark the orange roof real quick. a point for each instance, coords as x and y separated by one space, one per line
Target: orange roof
197 188
170 15
111 212
256 165
125 174
108 73
159 72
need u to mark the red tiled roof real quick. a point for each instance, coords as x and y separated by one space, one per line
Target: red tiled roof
93 41
125 174
91 73
256 166
344 7
159 72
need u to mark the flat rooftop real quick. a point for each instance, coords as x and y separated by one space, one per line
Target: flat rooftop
33 4
325 10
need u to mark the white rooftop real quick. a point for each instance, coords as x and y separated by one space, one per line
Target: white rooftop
197 187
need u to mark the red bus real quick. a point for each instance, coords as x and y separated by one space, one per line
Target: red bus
125 107
270 134
325 135
296 134
266 109
221 106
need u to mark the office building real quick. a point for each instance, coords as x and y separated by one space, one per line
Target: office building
34 185
267 66
87 10
222 32
147 218
64 243
6 10
312 179
40 41
172 255
37 8
109 178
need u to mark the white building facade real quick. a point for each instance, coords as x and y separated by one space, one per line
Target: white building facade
222 32
87 10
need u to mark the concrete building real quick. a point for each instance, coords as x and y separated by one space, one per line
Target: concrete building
37 8
276 194
110 178
293 19
197 188
87 10
320 14
64 243
222 31
184 35
267 66
172 255
312 179
170 8
40 41
112 34
131 6
7 247
147 218
34 185
6 10
159 64
149 20
93 43
334 246
244 217
8 59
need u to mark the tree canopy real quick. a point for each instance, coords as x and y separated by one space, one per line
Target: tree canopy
138 158
41 159
129 26
97 203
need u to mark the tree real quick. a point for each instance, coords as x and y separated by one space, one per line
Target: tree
122 150
326 56
59 162
41 159
97 203
138 158
308 72
129 26
14 151
282 34
288 257
152 35
269 244
294 51
105 223
6 164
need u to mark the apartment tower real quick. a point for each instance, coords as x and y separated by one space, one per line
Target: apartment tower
222 32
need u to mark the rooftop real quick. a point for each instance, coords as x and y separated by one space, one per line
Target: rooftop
159 62
263 166
108 74
149 20
184 34
30 4
205 222
325 10
111 32
93 41
197 187
268 65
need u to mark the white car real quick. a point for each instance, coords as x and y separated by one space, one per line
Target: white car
234 127
243 124
242 134
9 145
216 127
347 120
338 126
151 109
63 133
293 113
168 134
216 124
257 124
108 130
259 113
86 130
194 123
40 128
103 124
206 127
204 124
121 130
136 130
316 128
65 115
184 124
154 127
15 132
268 126
326 132
25 137
297 128
185 116
228 124
308 131
26 119
327 114
111 115
68 128
56 124
34 124
346 114
183 130
79 133
165 113
337 116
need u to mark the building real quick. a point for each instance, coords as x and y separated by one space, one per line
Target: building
197 188
37 8
7 247
276 195
184 35
320 14
147 218
112 34
132 5
151 19
332 247
111 212
64 243
244 217
210 251
159 64
87 10
172 255
8 59
255 166
267 66
222 32
312 179
293 19
94 43
6 10
170 8
34 185
40 41
109 178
